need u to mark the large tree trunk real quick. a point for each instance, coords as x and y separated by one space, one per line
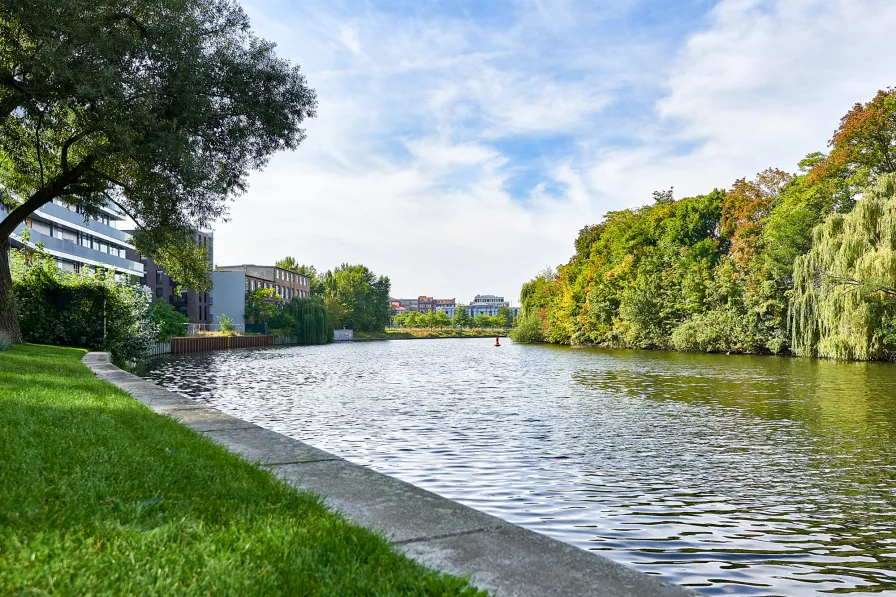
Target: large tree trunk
9 317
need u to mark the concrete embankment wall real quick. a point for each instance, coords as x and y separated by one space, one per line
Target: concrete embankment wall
440 533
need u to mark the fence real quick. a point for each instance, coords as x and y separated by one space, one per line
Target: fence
160 348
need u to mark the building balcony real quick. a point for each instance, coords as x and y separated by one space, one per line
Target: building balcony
70 219
68 250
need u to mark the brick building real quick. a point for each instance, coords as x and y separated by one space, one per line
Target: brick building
285 283
425 304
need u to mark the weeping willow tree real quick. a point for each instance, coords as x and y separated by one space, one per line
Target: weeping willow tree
313 325
844 295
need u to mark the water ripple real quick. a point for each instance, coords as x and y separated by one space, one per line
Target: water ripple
733 475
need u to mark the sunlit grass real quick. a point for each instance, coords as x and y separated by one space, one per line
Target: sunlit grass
99 495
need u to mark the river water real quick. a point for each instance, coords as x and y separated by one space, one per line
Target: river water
734 475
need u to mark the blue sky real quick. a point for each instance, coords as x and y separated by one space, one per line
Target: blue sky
461 145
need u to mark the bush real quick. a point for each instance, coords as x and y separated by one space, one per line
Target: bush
168 321
715 331
529 330
225 324
89 309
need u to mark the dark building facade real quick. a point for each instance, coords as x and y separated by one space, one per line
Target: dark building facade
194 305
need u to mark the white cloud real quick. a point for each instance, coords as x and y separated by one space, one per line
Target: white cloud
764 84
406 169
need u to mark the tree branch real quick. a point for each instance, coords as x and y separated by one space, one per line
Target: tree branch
57 187
117 183
843 280
125 211
123 16
40 160
67 145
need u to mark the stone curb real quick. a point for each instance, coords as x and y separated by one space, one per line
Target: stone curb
440 533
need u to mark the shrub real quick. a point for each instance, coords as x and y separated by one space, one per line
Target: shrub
168 321
529 330
225 324
715 331
87 309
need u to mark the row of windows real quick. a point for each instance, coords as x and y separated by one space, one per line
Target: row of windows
102 218
290 277
85 240
285 292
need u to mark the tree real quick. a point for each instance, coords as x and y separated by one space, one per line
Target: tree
746 207
665 197
506 315
844 296
261 305
356 298
287 263
313 325
170 322
161 109
529 330
482 321
460 318
440 319
412 319
864 145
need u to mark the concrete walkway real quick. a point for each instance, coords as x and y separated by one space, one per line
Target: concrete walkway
499 556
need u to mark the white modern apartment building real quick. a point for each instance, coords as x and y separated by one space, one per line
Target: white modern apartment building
482 304
75 241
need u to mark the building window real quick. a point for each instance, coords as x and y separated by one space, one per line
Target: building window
158 276
41 227
158 292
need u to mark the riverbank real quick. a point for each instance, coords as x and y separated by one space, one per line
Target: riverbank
425 333
98 494
436 531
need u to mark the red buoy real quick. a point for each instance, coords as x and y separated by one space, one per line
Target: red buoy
497 343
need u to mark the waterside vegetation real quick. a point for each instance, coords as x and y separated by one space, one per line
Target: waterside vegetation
428 333
353 296
100 495
800 264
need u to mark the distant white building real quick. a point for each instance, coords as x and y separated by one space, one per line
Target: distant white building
482 304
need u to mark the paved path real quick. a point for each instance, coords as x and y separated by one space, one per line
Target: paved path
499 556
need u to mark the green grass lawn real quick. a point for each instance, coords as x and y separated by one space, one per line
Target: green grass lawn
99 495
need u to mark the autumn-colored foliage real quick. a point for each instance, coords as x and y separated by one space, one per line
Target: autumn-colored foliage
864 145
727 271
746 207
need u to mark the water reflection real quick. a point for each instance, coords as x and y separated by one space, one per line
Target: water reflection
734 475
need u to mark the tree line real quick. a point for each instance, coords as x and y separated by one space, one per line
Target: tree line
348 296
460 319
797 263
